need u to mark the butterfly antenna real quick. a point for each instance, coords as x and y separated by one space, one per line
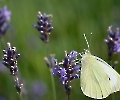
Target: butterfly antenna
81 54
86 41
90 39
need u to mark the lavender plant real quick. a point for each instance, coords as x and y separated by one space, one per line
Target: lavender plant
4 19
67 70
113 44
44 27
10 56
10 61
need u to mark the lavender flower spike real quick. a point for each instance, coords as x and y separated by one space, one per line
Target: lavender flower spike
44 26
10 61
67 69
113 42
4 18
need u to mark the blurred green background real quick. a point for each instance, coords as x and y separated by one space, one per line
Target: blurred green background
71 19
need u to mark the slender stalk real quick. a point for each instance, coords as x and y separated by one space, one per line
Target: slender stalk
47 50
68 96
52 79
113 96
68 91
111 63
2 43
53 85
15 78
20 96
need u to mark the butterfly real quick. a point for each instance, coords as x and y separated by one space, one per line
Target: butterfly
98 79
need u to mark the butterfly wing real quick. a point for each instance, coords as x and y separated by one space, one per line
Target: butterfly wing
98 79
114 77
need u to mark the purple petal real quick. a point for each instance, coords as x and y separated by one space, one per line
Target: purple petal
63 79
63 72
77 68
76 76
7 13
55 71
117 47
73 54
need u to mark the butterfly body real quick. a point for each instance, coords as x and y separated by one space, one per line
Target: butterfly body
98 79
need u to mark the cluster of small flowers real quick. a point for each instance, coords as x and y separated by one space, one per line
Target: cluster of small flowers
113 44
44 26
10 61
4 18
113 41
67 69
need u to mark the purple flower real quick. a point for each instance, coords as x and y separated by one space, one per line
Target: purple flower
4 18
113 42
44 26
117 47
73 54
77 68
56 70
6 13
63 79
63 72
67 69
10 59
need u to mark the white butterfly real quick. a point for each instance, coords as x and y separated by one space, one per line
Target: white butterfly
98 79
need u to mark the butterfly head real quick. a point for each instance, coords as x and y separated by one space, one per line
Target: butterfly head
84 53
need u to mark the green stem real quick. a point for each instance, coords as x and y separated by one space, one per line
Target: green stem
68 96
15 78
53 85
2 43
111 63
113 96
47 50
52 79
21 96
